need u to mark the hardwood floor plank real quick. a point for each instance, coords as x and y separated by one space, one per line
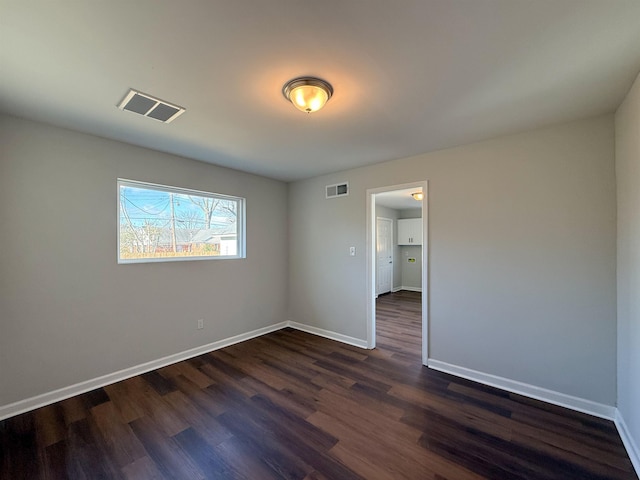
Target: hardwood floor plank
153 406
199 419
199 397
224 379
125 400
213 465
187 370
118 436
56 462
167 455
74 409
302 438
50 425
142 469
159 383
300 405
474 417
287 424
264 445
396 455
87 453
95 397
362 465
241 454
19 447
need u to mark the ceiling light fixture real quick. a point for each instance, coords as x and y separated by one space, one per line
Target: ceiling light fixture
418 196
308 94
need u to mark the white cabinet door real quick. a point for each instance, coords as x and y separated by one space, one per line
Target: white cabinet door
403 232
410 231
416 231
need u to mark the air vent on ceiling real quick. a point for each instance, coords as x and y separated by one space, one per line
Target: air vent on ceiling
151 107
337 190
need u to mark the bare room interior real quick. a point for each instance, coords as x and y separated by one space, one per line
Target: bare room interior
320 240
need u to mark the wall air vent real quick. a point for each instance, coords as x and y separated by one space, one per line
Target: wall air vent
152 107
337 190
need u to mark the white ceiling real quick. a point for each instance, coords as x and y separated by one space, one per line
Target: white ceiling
399 199
410 77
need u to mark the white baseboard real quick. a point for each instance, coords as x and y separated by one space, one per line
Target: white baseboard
338 337
38 401
562 399
627 440
409 289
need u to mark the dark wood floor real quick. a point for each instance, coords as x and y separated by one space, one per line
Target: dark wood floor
296 406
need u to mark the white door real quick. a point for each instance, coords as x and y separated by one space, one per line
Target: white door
384 255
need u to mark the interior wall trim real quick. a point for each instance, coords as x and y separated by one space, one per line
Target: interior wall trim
411 289
556 398
629 444
338 337
48 398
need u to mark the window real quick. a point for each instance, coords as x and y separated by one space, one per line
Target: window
157 223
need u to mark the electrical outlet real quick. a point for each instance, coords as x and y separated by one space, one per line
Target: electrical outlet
200 324
352 251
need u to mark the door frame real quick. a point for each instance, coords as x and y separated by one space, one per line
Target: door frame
371 263
392 231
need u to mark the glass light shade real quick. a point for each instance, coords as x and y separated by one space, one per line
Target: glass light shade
418 195
308 98
307 94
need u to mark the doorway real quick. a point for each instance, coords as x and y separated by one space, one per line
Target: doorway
403 263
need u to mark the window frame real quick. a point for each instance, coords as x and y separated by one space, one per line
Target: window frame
240 221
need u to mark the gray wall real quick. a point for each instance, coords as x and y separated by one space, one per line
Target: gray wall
628 177
68 312
410 213
411 272
522 255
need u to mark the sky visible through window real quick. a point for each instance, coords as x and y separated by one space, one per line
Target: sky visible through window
162 224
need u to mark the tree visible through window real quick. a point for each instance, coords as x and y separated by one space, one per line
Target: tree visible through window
161 223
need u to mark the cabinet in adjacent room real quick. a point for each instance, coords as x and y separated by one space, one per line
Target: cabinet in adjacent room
410 231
